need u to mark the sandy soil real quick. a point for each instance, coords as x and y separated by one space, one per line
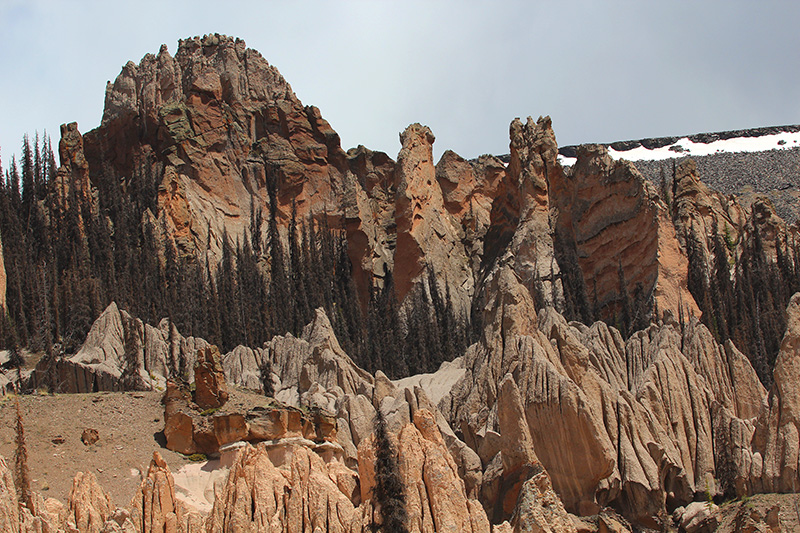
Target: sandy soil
129 425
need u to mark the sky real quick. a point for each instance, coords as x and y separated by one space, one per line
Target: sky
604 71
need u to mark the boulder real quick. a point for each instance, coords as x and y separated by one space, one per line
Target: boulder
211 391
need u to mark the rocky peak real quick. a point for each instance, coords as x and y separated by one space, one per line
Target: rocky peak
533 162
72 177
219 128
427 235
533 166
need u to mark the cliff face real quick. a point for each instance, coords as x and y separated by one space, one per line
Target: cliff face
224 137
622 234
543 416
428 239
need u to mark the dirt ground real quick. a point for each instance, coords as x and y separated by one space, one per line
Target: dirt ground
130 428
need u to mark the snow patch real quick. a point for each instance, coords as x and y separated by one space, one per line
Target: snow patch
685 147
566 161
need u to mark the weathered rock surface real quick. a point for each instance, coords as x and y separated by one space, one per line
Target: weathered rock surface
700 211
428 242
777 436
534 166
621 230
89 506
190 429
539 417
469 189
72 181
155 508
644 425
211 390
219 128
9 507
121 353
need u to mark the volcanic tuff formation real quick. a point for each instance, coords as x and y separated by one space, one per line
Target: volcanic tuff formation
541 421
226 139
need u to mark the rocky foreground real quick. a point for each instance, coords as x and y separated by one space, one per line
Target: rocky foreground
555 421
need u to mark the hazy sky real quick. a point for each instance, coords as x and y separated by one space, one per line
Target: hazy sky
603 71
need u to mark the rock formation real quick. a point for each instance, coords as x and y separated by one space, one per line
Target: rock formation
699 210
545 423
72 178
121 353
622 235
469 190
211 391
533 167
155 507
224 136
428 240
191 429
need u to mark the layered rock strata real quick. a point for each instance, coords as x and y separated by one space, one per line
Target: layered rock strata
623 236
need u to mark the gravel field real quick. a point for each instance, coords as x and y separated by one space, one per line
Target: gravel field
775 174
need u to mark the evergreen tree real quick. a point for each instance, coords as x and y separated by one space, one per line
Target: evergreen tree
388 492
22 475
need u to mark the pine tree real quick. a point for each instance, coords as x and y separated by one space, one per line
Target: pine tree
625 303
13 180
28 178
22 476
388 492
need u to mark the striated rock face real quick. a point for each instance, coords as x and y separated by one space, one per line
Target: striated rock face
257 496
427 235
621 230
469 190
9 507
369 209
700 211
209 378
533 166
121 353
155 509
89 505
641 425
777 436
